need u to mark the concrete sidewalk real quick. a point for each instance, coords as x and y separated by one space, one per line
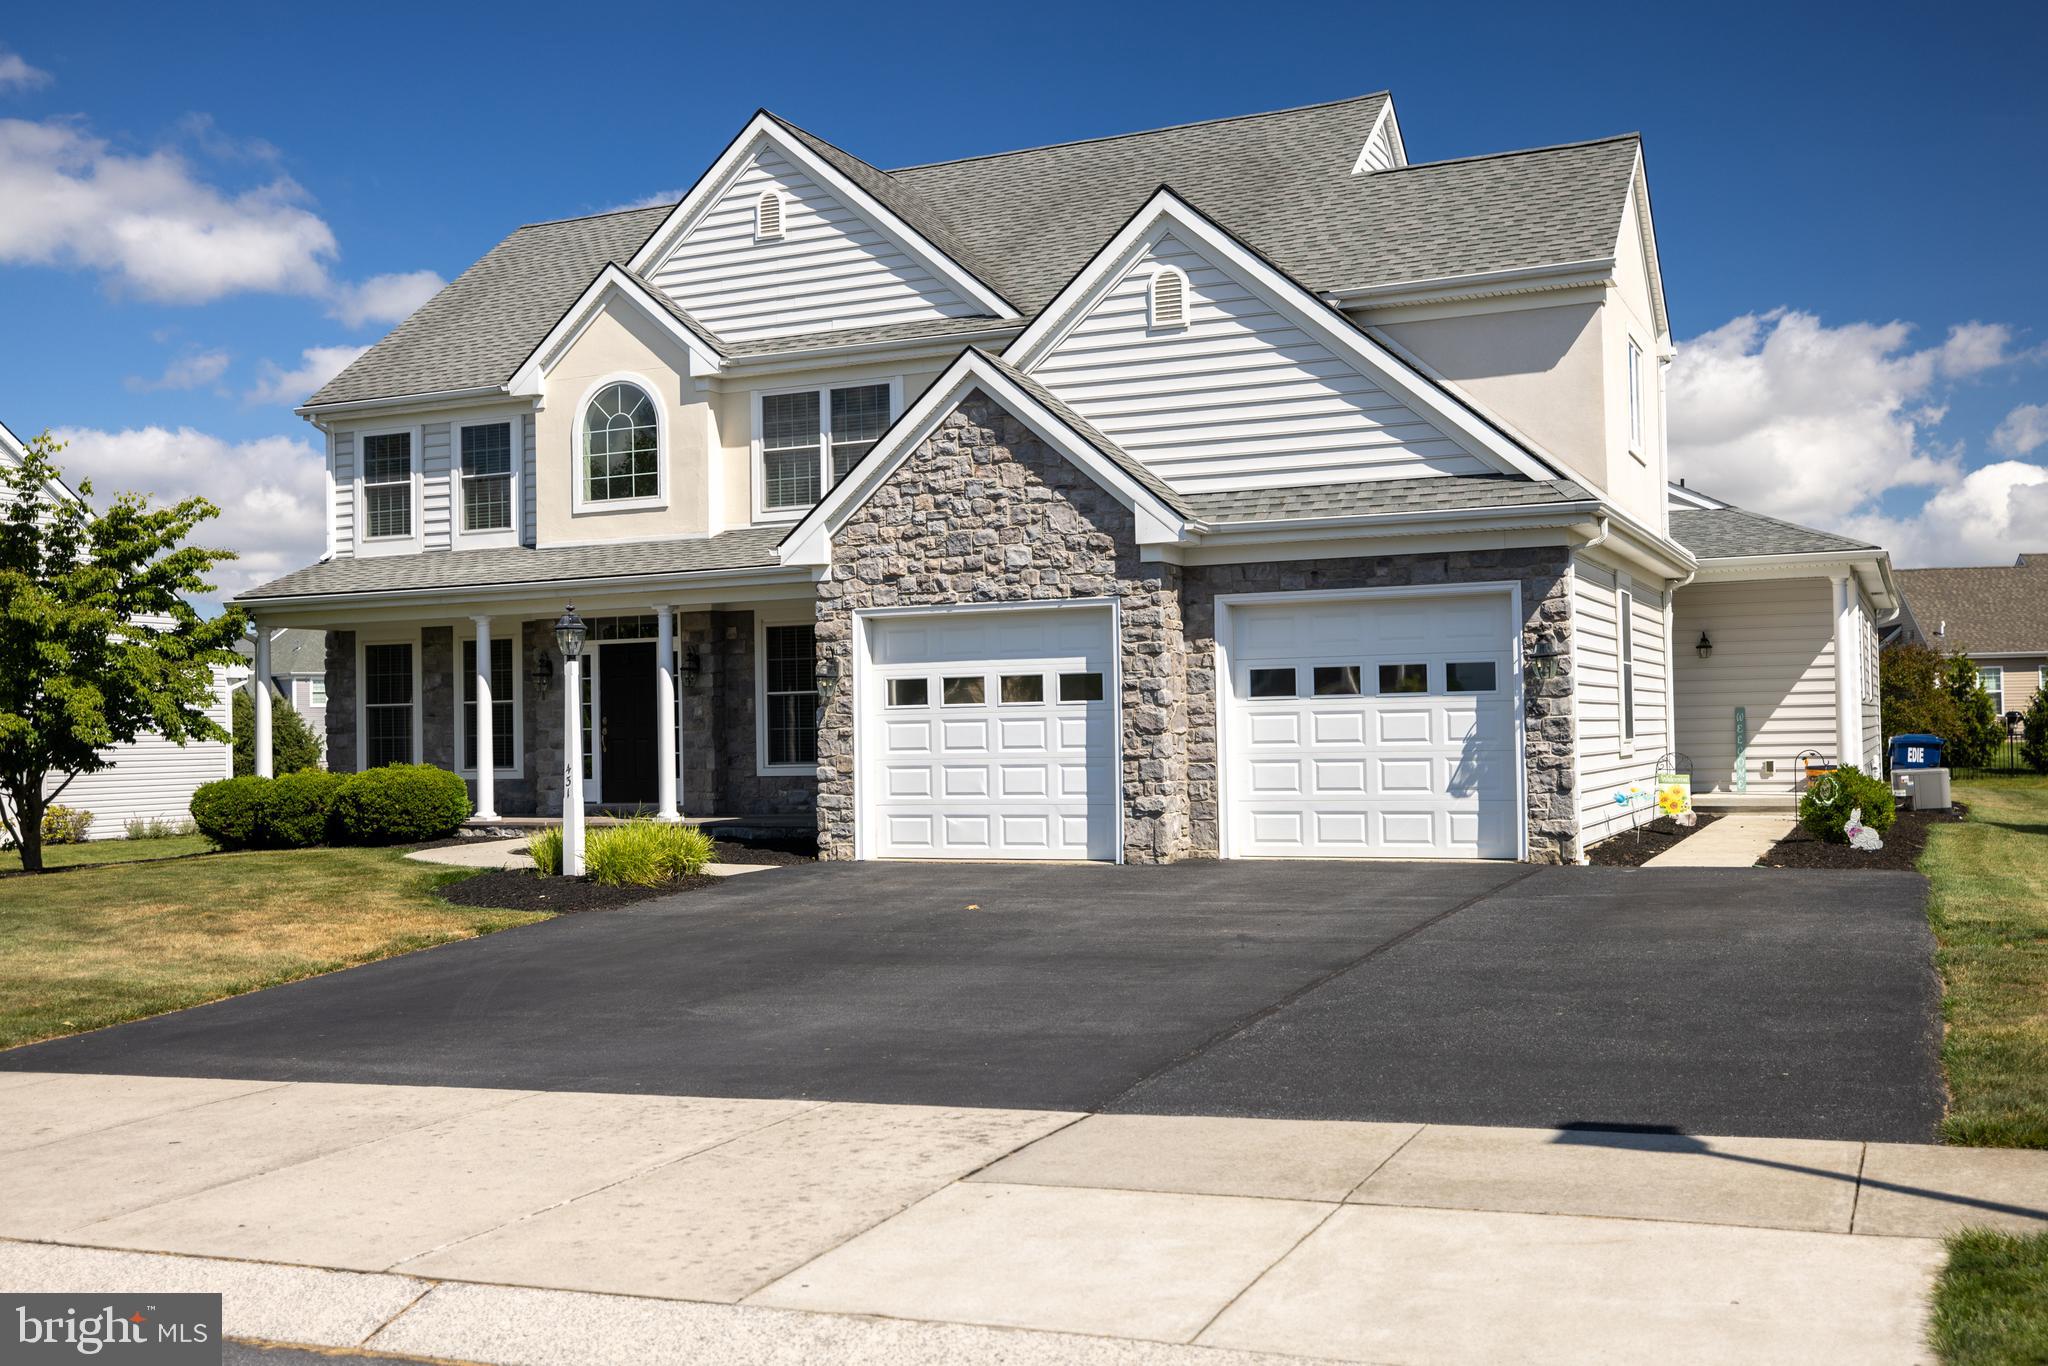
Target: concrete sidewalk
1737 840
558 1227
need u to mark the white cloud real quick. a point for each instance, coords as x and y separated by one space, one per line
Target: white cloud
193 370
317 365
269 490
16 74
384 298
2024 431
156 227
1784 414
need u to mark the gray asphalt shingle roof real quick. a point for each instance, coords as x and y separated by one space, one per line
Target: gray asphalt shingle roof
1732 533
291 652
1088 432
750 548
2000 609
1429 493
1025 222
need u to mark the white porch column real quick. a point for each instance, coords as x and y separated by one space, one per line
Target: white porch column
572 767
1848 658
265 767
665 714
486 753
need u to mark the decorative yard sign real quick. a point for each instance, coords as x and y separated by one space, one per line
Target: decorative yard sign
1674 797
1742 749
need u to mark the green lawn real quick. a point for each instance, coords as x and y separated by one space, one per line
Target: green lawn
1989 911
1991 1303
99 945
109 851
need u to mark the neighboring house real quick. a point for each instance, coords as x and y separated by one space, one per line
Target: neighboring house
151 778
1996 615
1238 489
1758 631
298 673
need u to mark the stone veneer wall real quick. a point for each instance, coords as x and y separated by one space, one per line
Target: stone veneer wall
983 511
721 740
1544 575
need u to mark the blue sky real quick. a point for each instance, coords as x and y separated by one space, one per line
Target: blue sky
1853 184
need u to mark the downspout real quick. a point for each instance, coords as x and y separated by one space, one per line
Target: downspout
1671 588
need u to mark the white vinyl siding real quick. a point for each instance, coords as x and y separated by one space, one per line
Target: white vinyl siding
529 516
828 269
435 500
344 501
1238 398
1873 718
1774 656
152 778
1379 152
1608 761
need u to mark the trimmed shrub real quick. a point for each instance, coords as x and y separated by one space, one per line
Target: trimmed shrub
2034 744
295 808
645 853
546 849
65 825
230 812
399 804
1825 808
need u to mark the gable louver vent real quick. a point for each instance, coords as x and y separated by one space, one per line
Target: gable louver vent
1169 298
768 217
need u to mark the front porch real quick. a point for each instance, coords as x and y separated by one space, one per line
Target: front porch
684 710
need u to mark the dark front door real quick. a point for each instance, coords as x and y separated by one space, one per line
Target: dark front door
625 724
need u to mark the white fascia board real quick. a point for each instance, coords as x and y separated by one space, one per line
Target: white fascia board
1682 496
832 355
441 600
1479 284
1874 567
1167 211
810 540
763 128
526 380
1639 204
492 396
12 449
1419 523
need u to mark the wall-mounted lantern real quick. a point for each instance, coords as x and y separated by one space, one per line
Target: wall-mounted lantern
1546 660
1705 647
542 675
692 665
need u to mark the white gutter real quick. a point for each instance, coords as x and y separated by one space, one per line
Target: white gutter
1517 512
432 397
946 341
674 578
1557 272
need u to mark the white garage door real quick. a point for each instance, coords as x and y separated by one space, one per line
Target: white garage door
1374 728
990 735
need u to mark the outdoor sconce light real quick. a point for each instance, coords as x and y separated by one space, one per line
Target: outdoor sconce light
692 665
542 675
1705 647
1545 659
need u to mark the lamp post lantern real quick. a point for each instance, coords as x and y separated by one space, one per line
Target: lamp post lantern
569 633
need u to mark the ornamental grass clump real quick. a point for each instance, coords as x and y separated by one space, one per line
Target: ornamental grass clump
644 853
545 849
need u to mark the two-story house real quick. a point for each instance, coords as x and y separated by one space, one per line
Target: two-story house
1239 488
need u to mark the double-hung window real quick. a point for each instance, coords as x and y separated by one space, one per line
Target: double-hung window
812 437
1992 676
1625 611
486 477
387 485
387 704
504 739
789 696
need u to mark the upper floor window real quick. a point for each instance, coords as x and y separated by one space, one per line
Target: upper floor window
1635 397
621 445
387 484
487 477
810 439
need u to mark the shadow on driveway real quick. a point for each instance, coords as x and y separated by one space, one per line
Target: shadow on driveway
1712 1001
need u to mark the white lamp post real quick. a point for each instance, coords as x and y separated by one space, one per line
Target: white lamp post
569 633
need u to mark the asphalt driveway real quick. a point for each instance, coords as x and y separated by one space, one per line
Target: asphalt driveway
1726 1001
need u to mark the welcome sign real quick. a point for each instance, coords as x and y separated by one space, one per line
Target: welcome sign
1674 795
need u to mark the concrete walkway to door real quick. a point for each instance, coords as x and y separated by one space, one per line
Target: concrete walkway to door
520 1226
1737 840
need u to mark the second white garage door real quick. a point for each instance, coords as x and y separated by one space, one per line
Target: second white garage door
990 735
1374 727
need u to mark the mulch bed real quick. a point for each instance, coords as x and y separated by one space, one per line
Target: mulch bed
1627 851
516 889
1902 845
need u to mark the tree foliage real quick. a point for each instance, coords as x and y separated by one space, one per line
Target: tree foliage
293 745
2034 745
99 642
1979 729
1911 697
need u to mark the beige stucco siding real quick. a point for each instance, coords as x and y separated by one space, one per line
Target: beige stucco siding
1637 472
2021 676
1774 656
621 343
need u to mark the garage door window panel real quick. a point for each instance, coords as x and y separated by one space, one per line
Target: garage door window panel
1403 678
1271 683
909 692
1469 676
1023 688
1337 680
964 691
1083 687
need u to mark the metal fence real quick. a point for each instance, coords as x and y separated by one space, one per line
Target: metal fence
2005 760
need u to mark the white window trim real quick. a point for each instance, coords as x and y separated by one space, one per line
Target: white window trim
762 621
316 693
502 536
463 682
363 640
1634 380
756 462
1152 319
1985 672
366 544
579 505
1625 671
